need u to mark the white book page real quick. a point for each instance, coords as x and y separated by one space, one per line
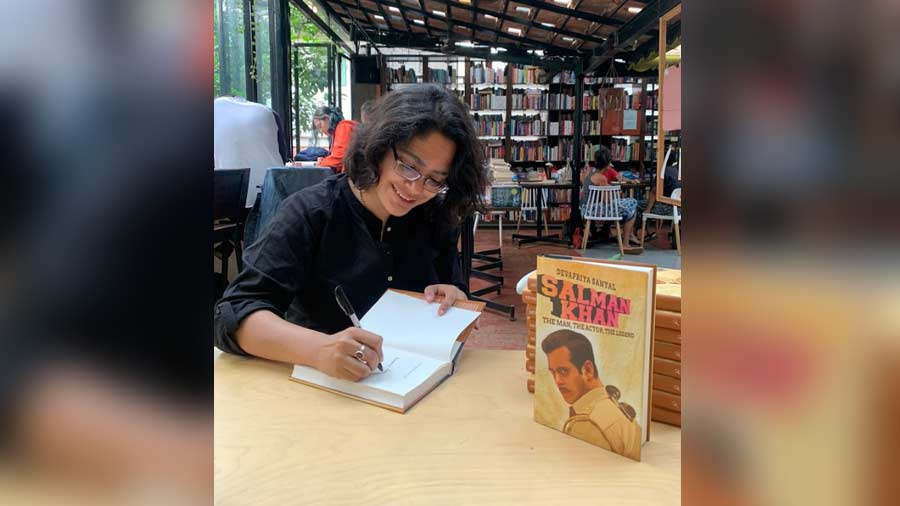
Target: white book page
413 324
403 372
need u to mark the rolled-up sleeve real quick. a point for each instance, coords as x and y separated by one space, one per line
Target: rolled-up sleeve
275 267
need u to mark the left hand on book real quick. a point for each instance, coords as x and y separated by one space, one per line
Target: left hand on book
450 293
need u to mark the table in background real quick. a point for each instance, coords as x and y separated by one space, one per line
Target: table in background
471 441
631 187
539 234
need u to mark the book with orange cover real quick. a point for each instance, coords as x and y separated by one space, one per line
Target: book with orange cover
594 349
420 348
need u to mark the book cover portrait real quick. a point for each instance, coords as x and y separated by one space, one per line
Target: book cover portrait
592 354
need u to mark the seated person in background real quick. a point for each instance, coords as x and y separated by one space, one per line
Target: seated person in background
670 183
392 221
331 122
247 135
602 175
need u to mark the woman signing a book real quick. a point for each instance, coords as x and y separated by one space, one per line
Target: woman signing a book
414 171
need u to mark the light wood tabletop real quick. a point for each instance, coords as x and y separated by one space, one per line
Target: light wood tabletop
472 441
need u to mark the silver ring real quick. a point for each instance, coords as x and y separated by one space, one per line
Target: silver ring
360 354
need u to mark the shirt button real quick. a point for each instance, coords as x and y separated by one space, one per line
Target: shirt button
389 229
390 278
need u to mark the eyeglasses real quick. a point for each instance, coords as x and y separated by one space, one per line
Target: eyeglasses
412 174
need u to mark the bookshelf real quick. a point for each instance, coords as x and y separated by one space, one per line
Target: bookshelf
614 116
406 70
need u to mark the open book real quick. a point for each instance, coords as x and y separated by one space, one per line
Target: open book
594 339
420 350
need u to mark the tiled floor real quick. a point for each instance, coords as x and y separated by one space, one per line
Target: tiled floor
496 330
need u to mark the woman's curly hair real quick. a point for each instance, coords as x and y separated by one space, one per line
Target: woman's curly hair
399 116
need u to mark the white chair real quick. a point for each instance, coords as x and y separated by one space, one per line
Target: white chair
675 218
602 204
529 204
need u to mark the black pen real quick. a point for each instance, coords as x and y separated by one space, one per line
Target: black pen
345 305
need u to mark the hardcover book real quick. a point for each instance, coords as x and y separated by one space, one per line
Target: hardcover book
420 349
594 339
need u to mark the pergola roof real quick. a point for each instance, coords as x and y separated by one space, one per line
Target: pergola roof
594 30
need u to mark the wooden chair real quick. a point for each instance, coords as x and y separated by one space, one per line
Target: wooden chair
529 204
675 218
602 204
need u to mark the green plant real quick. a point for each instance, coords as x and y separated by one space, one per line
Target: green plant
310 66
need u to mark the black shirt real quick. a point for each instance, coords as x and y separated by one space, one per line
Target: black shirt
321 237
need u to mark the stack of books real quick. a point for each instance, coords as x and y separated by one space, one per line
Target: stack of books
529 297
666 394
500 172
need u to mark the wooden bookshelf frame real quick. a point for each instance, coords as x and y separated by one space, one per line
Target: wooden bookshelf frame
660 133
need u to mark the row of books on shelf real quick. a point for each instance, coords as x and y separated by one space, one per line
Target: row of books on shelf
563 127
564 77
528 151
522 75
510 195
561 101
611 80
403 75
528 99
481 74
441 76
557 214
523 151
494 149
527 125
590 127
601 102
487 100
623 151
490 124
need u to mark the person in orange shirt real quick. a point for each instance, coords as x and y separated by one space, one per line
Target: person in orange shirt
331 122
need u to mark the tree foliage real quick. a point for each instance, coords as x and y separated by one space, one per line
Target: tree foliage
310 66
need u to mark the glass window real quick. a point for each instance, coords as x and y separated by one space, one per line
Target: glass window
229 75
310 73
344 102
263 70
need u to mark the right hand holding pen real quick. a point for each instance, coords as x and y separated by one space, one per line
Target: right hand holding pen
338 357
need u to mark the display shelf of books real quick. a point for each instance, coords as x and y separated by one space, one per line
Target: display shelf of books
558 149
486 95
672 137
527 151
485 73
403 71
613 116
514 114
488 99
492 125
533 125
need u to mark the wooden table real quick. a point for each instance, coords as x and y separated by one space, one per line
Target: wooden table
630 187
472 441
